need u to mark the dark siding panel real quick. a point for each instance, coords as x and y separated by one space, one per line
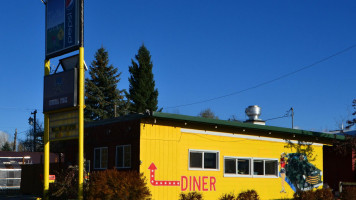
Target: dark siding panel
337 167
111 135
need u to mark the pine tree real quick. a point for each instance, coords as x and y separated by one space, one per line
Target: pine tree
352 122
28 143
142 92
6 147
102 95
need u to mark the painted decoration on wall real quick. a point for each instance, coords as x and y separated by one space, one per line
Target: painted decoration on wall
154 182
187 183
298 172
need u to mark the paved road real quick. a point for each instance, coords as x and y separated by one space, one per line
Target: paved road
17 197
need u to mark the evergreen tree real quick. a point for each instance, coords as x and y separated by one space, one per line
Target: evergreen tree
352 122
101 96
28 143
6 147
142 92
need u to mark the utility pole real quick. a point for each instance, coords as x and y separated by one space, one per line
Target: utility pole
34 129
14 147
292 114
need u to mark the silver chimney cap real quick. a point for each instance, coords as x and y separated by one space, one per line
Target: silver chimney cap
253 113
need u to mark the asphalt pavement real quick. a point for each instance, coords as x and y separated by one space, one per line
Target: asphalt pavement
17 197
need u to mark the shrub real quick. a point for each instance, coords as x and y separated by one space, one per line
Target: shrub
319 194
324 194
113 184
191 196
304 195
230 196
248 195
66 184
348 193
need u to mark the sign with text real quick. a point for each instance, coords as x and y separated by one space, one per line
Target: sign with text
63 125
60 90
191 183
64 32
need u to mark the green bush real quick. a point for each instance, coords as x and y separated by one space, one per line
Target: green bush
348 193
191 196
319 194
248 195
112 184
230 196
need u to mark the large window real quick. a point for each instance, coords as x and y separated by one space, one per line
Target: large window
203 160
237 166
250 167
265 167
101 158
123 156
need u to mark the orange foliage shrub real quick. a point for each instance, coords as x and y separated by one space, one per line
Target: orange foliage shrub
113 184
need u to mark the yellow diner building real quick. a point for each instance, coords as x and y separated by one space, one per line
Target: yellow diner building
180 154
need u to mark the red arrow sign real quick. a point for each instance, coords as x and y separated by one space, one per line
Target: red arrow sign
152 169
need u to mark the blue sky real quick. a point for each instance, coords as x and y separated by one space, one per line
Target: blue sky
200 50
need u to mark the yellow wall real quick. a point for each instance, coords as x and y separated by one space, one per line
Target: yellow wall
168 148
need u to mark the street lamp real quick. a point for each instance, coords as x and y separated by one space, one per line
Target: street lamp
30 121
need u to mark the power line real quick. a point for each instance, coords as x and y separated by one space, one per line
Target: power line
18 109
270 81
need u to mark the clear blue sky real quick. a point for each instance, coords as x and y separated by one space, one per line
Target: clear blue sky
200 50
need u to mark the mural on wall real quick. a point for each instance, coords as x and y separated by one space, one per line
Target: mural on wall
282 172
190 183
298 172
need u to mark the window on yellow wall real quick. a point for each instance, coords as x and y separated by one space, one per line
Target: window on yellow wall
250 167
258 167
100 158
265 167
243 166
230 166
271 167
237 166
196 160
203 160
210 160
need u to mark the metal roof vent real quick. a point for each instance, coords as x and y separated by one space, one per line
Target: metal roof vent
253 113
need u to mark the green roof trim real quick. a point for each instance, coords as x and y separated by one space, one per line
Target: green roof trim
247 125
216 122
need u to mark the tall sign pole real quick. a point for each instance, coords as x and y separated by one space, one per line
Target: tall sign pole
81 123
46 144
63 111
81 105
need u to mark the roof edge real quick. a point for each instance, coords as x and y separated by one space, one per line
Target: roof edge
247 125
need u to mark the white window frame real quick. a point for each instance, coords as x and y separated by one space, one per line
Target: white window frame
107 158
204 151
251 175
123 157
264 168
238 175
